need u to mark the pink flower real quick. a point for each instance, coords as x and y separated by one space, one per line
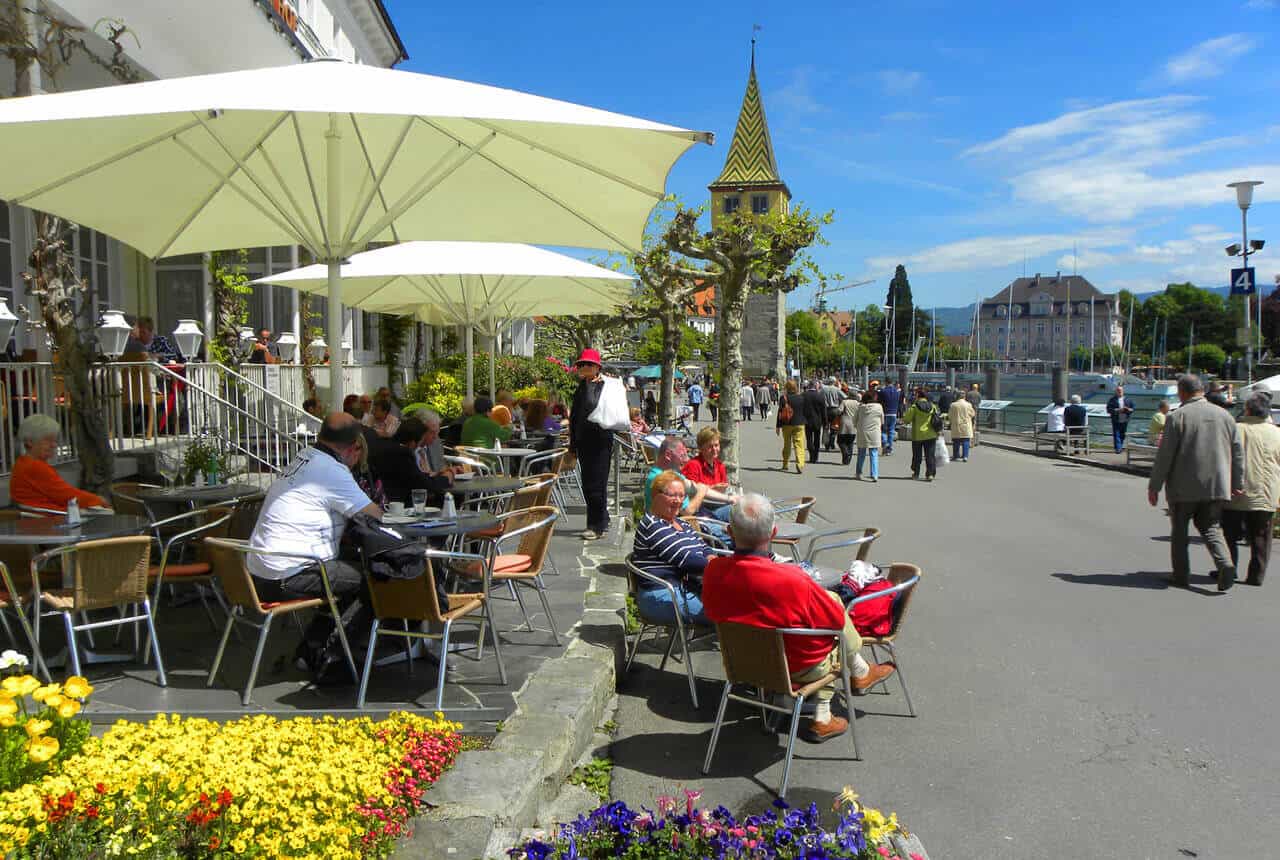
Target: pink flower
644 820
666 804
690 798
882 851
915 856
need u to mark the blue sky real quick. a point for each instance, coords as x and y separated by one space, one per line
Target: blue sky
956 138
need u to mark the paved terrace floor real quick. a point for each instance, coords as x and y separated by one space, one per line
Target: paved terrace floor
1070 703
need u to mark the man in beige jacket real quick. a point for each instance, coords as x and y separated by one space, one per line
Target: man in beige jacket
1249 516
1200 466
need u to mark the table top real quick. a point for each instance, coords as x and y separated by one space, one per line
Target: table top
791 531
55 531
482 486
217 493
507 452
437 527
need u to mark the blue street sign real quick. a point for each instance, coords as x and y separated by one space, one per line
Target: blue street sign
1242 282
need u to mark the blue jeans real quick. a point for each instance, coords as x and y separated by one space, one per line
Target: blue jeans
959 448
875 461
1117 435
655 604
890 430
720 514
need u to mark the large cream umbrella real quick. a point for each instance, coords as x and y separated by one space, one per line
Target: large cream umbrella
333 156
477 285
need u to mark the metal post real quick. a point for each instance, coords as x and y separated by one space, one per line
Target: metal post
1248 341
617 482
333 257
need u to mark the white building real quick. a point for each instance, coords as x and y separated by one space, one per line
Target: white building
190 38
1044 318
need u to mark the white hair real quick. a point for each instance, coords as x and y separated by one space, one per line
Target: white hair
36 428
751 519
429 417
1075 398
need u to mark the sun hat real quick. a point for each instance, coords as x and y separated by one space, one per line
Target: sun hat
589 356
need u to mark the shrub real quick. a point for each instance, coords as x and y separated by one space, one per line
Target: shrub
38 729
437 390
512 372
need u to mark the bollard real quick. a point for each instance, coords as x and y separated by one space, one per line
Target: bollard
992 383
1059 386
904 377
951 378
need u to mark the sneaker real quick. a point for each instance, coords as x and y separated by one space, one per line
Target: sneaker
590 534
879 671
929 478
875 480
817 733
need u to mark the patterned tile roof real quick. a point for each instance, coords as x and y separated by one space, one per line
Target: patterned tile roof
750 160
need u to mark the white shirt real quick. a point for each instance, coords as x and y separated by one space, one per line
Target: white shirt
1055 420
747 395
305 511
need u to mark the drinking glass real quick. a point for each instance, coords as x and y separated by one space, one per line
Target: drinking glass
419 501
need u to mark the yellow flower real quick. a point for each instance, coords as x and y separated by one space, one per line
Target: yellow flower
42 749
8 707
41 694
20 685
847 797
7 721
77 687
54 700
68 708
36 728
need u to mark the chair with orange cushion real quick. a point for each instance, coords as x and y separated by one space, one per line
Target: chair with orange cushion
183 560
530 531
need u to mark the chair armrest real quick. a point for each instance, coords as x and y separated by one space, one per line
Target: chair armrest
815 550
888 592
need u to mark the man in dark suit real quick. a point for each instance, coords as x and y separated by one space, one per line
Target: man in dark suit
815 415
1119 408
394 462
890 399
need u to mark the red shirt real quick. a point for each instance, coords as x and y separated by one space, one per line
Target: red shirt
755 590
697 470
37 484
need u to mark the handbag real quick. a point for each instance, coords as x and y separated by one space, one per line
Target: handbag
785 412
935 420
611 412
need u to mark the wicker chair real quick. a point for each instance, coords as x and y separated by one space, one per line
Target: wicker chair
679 631
757 657
125 499
548 462
801 507
415 600
843 538
11 598
522 568
227 557
905 578
245 516
104 574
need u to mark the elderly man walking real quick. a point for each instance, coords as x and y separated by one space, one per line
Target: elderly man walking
750 588
1200 466
1249 516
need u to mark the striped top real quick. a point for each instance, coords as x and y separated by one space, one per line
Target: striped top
676 555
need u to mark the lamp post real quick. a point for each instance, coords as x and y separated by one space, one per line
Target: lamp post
188 337
1244 198
8 322
113 333
795 333
287 345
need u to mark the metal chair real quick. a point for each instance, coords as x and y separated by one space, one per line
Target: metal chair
469 464
104 574
522 568
227 557
679 631
905 578
757 657
800 507
415 600
825 541
548 462
195 570
702 525
11 598
245 516
41 512
125 500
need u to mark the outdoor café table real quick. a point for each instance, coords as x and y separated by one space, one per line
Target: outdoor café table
488 486
505 455
437 526
792 531
197 496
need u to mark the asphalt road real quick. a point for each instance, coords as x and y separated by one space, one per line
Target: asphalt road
1070 704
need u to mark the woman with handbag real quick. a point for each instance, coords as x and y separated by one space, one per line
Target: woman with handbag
591 443
925 423
790 426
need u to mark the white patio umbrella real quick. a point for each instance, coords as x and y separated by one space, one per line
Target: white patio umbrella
333 156
473 284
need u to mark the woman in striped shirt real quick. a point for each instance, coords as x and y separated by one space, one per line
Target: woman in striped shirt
667 548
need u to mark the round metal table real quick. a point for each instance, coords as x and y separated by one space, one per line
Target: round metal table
506 455
54 531
189 495
435 526
793 531
485 486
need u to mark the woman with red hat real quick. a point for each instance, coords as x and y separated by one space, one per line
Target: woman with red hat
591 443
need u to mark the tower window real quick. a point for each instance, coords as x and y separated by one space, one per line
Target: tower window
759 203
731 205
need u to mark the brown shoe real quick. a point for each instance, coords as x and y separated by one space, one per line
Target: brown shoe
816 732
879 671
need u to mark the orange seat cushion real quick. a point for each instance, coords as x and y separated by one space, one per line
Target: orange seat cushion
511 563
198 568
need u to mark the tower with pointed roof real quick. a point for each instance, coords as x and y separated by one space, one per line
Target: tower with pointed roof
750 182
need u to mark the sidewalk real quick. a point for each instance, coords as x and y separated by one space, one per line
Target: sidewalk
1100 456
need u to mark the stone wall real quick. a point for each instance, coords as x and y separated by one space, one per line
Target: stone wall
763 340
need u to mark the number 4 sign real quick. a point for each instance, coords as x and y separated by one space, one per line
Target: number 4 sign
1242 282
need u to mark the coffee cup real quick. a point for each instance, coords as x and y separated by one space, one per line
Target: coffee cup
396 509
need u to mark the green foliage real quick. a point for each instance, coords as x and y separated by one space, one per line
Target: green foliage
444 384
438 390
393 335
650 349
206 455
595 776
1206 357
229 279
899 297
632 621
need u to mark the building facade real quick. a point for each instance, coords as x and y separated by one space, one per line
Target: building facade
176 40
750 182
1045 318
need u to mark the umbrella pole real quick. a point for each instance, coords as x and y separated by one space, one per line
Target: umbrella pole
493 359
333 197
471 361
336 381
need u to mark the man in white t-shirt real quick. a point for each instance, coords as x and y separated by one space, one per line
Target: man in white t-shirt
306 511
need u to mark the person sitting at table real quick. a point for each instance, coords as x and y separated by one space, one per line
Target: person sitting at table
33 482
480 430
306 511
384 393
538 417
638 425
394 463
672 550
313 407
430 450
351 406
262 350
707 468
507 399
673 454
750 588
365 402
382 421
144 339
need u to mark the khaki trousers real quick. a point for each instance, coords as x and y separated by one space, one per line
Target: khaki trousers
831 663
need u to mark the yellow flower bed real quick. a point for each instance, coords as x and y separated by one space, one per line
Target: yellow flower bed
257 786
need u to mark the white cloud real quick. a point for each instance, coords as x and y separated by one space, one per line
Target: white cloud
1126 123
991 252
899 82
1260 5
796 95
904 116
1208 59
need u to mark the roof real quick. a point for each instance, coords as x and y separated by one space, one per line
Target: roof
1058 287
704 302
750 160
391 30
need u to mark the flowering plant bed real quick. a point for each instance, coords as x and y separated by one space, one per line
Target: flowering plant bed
257 786
614 830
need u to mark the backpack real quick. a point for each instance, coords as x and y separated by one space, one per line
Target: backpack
785 412
935 420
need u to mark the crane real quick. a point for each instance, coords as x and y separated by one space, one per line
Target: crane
820 300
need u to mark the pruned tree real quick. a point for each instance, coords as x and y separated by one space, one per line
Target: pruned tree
745 253
566 336
40 45
667 299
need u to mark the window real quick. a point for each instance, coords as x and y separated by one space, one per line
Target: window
89 250
759 203
731 205
1040 329
1080 330
6 254
1017 310
1057 328
1001 311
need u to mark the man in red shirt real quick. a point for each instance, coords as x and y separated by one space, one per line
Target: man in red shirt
750 588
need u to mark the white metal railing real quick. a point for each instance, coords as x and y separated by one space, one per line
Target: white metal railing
285 380
146 404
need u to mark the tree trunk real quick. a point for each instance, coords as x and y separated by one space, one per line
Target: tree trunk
304 348
419 335
732 310
670 351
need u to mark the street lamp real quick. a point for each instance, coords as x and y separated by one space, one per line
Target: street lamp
113 333
188 338
1244 198
287 345
8 322
795 333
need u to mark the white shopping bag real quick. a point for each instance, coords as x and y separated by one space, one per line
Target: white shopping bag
611 412
941 457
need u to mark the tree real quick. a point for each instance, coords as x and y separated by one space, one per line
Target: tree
744 253
566 337
668 298
901 306
38 42
651 349
815 351
1206 357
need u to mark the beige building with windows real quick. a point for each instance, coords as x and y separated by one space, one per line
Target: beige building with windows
1045 318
